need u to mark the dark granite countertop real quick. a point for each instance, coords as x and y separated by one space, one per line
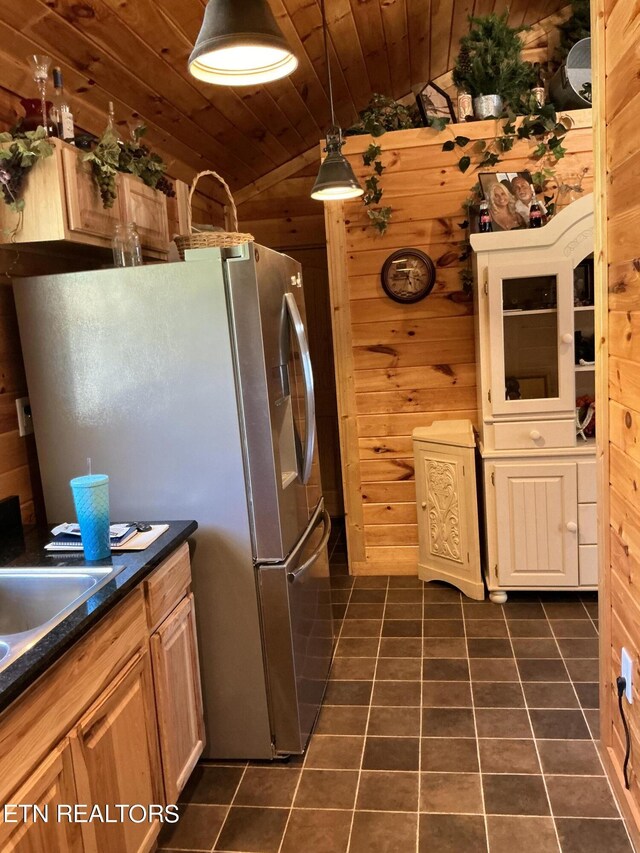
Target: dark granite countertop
23 671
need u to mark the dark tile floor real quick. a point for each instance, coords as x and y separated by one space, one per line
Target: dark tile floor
449 726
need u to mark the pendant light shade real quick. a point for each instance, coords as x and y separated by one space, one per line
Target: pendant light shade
240 44
336 180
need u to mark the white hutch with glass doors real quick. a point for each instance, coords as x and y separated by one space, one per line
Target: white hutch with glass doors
534 353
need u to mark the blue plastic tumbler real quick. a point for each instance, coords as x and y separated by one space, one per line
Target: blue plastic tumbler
91 499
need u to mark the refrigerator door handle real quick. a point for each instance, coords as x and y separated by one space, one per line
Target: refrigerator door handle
309 401
292 577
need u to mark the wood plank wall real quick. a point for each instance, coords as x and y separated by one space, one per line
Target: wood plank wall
616 35
403 366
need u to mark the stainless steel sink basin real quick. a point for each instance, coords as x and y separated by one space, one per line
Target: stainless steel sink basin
35 600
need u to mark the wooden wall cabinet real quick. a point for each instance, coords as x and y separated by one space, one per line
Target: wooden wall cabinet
63 205
539 477
126 733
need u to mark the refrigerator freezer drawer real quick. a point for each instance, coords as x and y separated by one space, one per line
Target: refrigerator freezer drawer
295 602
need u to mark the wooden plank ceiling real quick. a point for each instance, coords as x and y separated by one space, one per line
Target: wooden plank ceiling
135 52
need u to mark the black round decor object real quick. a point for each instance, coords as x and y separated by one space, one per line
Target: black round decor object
408 275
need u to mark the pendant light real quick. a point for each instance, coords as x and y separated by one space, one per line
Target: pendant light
240 44
336 180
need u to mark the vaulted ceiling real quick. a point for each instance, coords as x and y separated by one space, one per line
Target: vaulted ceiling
135 52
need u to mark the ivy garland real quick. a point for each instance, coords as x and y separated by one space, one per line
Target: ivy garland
542 126
20 151
379 216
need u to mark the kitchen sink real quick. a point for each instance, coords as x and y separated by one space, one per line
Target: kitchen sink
35 600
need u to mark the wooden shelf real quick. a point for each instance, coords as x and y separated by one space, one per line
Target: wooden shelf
583 307
585 368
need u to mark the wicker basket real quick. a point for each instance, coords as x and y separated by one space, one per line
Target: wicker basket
207 239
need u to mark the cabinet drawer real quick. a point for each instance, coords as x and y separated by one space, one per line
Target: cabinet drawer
587 524
167 585
529 435
587 482
588 560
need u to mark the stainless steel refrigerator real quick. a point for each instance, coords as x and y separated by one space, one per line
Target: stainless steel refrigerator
190 385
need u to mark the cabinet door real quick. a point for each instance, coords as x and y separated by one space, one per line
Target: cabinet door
116 760
537 530
85 211
148 209
176 673
50 786
448 516
531 338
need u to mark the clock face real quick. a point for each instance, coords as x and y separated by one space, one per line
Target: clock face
408 275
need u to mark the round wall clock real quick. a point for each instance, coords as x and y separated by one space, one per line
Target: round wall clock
408 275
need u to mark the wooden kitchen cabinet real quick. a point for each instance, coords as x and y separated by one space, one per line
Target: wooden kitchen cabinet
63 206
51 785
116 759
85 212
148 209
174 653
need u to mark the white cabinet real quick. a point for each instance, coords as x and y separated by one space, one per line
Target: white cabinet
533 316
531 333
537 540
447 505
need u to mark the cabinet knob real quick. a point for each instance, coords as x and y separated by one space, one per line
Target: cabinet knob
534 435
572 527
424 504
567 338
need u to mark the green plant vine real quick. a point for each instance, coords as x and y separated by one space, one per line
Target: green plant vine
541 126
379 216
20 151
110 155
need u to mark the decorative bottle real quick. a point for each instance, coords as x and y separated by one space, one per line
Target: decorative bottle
127 251
485 224
465 105
537 90
60 113
535 214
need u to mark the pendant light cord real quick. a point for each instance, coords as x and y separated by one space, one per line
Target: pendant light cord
326 59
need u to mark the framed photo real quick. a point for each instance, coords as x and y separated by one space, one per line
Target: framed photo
509 195
433 102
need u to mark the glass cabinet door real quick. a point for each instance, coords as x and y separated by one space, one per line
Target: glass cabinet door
531 330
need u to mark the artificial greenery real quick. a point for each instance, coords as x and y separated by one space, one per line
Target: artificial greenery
104 160
20 152
575 28
383 114
544 129
379 216
110 156
490 60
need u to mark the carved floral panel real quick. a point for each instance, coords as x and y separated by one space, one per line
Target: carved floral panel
444 510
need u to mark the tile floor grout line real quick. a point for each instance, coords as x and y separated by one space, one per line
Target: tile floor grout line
475 727
322 706
533 734
235 794
586 722
366 728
